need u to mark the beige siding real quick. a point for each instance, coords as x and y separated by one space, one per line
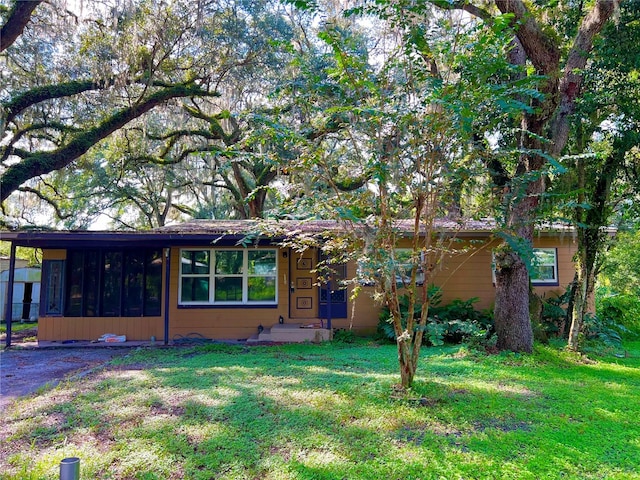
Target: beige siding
91 328
469 275
461 276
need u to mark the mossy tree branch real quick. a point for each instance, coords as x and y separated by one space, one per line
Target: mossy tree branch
41 163
33 96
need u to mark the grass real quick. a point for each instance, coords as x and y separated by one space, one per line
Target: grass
333 412
20 332
18 326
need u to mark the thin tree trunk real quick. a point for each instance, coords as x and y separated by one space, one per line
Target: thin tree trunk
579 307
407 369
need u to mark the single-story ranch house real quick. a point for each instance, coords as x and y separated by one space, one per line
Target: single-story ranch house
196 279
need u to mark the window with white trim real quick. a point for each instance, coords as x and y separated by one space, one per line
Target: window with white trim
228 277
544 266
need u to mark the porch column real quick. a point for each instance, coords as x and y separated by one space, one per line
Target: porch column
167 279
9 307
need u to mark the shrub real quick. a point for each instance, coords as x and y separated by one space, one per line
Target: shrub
452 323
342 335
619 310
552 319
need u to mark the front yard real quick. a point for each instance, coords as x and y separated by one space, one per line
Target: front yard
331 412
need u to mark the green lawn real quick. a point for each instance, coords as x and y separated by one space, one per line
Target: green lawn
18 326
26 331
331 412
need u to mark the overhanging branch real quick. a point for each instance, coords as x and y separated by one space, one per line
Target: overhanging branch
41 163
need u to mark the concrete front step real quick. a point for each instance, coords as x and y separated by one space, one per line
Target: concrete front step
291 333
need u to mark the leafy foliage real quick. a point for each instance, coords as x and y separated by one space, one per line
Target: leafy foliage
552 321
620 311
454 322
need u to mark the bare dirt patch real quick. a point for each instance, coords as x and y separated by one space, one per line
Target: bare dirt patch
24 371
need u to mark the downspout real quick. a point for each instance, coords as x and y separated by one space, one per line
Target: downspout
9 308
329 292
167 278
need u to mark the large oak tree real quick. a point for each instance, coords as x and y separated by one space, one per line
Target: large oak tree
560 55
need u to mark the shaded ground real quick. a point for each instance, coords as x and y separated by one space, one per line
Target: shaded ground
25 370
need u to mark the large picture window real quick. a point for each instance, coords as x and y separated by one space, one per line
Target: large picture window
228 277
113 283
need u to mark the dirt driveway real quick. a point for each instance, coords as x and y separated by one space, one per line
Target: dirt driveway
23 371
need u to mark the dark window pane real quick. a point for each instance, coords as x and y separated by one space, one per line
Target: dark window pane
262 289
228 289
153 283
75 269
262 262
195 289
229 262
91 291
133 283
112 284
195 262
546 273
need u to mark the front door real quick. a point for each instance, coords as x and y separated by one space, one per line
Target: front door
303 292
334 305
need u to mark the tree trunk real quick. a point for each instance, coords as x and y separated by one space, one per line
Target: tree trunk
512 323
407 368
579 307
511 314
561 89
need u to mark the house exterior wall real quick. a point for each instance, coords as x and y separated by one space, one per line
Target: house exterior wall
466 276
470 275
22 277
461 276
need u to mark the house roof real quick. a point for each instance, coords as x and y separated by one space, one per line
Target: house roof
225 232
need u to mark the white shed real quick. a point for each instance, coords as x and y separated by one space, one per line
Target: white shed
26 293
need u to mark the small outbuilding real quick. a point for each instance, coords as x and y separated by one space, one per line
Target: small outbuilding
26 293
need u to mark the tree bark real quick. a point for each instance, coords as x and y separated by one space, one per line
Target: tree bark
17 20
579 307
511 317
591 237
